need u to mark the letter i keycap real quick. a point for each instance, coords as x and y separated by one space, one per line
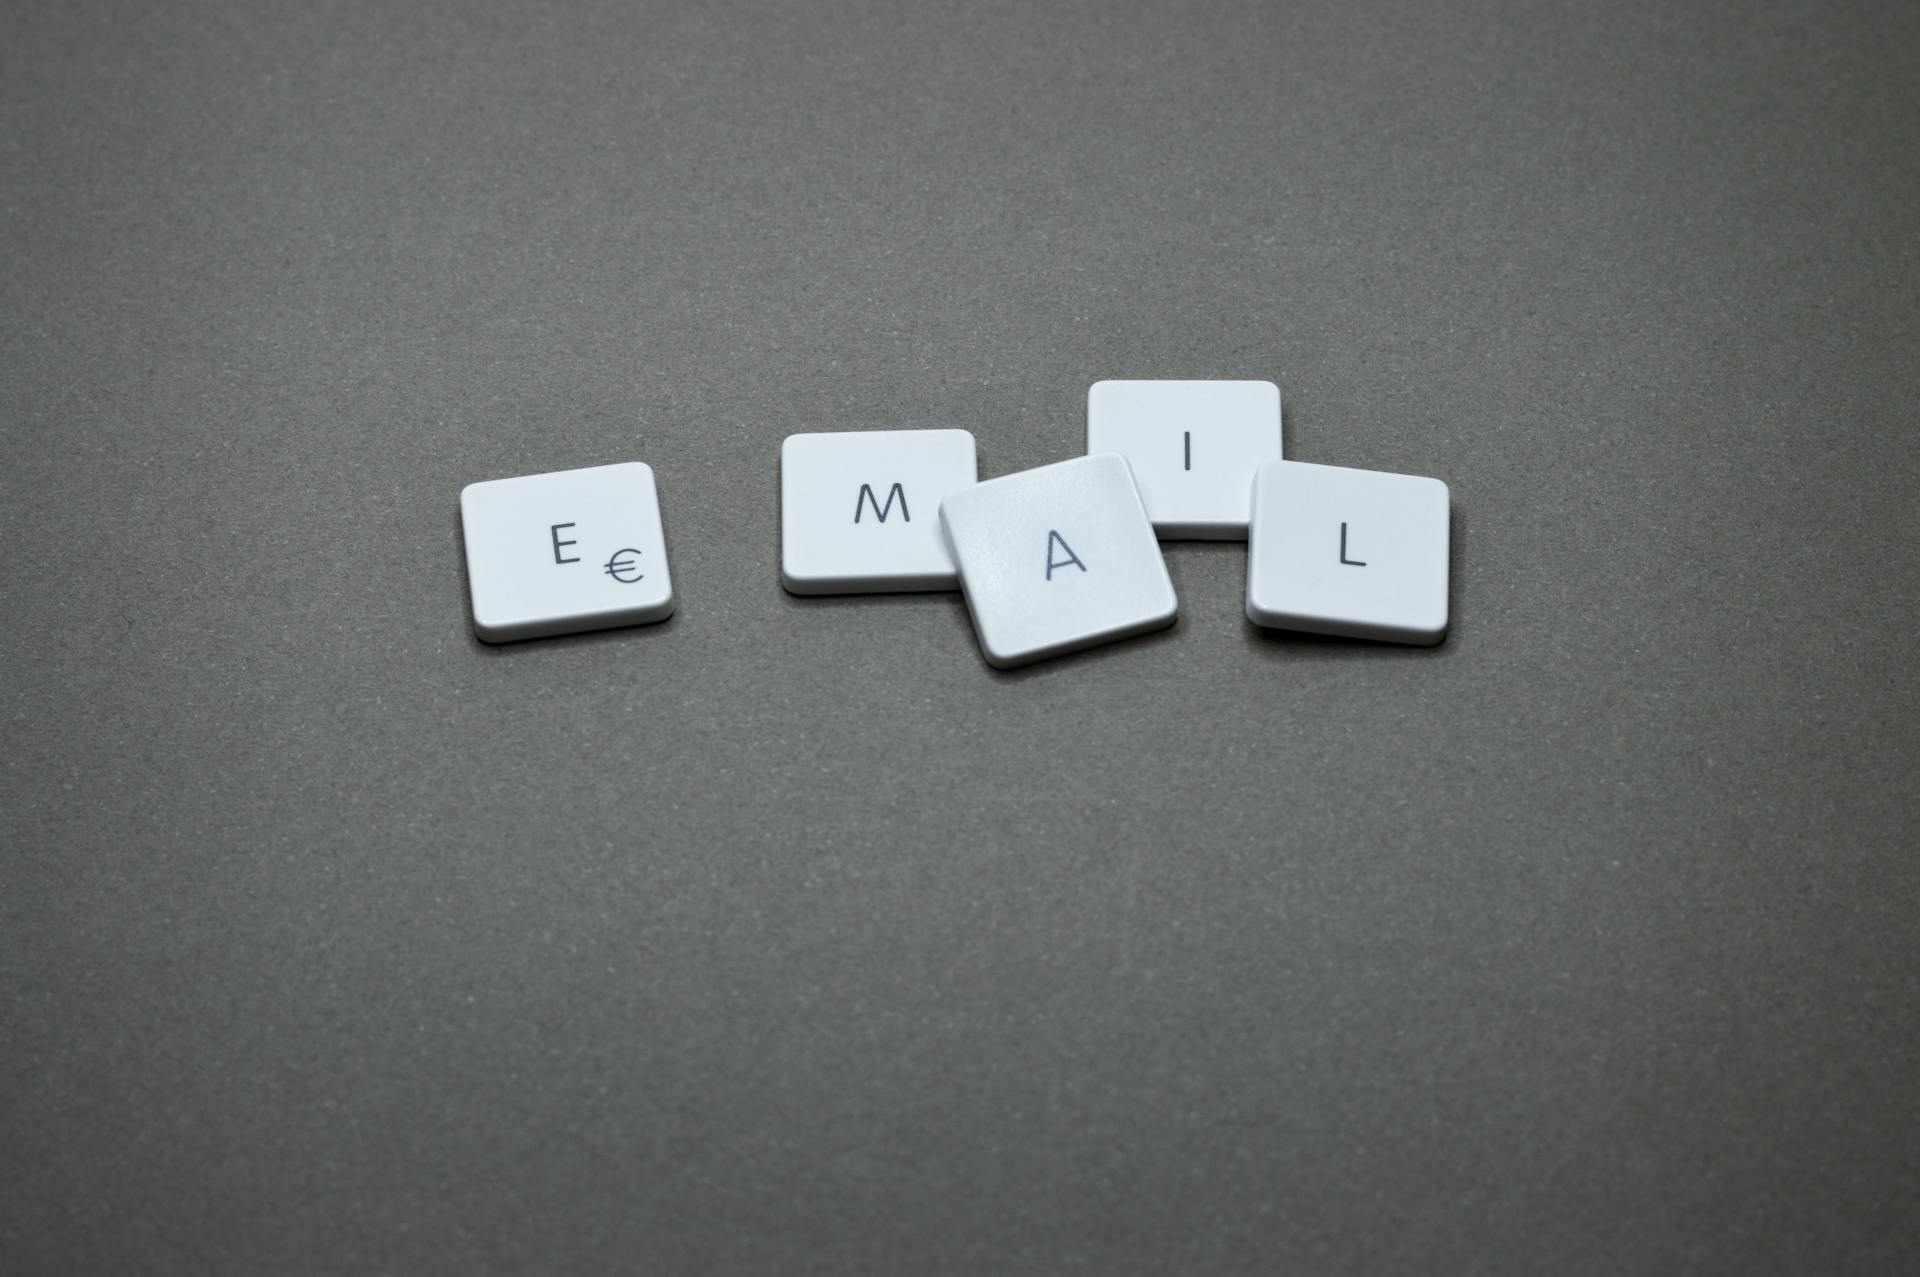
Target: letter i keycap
859 510
1057 559
564 552
1193 446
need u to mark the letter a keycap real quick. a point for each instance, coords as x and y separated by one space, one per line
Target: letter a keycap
1057 559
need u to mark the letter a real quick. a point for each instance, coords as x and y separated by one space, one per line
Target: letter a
1053 539
880 511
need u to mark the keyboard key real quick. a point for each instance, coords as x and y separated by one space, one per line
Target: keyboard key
1057 559
1193 446
1353 552
563 552
859 510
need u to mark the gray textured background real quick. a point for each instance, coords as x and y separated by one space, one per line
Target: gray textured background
788 936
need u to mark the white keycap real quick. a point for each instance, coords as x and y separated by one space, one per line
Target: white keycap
860 510
568 551
1057 559
1353 552
1193 446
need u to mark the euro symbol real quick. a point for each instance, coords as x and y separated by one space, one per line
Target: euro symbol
620 565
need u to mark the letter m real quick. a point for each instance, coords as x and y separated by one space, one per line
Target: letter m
880 511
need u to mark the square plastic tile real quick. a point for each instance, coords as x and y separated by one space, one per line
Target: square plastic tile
568 551
1057 559
1355 552
859 510
1193 446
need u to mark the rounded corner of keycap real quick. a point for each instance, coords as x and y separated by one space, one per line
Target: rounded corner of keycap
492 634
1003 660
798 582
973 449
791 446
1261 614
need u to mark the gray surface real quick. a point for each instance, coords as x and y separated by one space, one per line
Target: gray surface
788 936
